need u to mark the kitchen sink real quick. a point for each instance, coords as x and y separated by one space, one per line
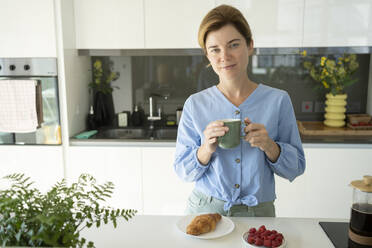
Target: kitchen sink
137 133
165 133
121 133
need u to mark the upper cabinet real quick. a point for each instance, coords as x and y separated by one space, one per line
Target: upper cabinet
28 28
337 23
109 24
273 23
174 24
154 24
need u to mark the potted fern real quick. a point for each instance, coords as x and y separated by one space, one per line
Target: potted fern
56 218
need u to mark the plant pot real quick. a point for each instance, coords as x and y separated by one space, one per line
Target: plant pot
104 112
335 110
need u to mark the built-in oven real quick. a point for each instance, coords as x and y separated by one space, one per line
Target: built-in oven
42 71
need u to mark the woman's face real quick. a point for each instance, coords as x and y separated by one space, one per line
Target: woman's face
228 53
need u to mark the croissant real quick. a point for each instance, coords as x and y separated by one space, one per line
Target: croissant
203 223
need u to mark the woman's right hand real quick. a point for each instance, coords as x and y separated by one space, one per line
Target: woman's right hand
211 133
213 130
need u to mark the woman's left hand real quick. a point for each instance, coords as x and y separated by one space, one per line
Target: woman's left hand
257 136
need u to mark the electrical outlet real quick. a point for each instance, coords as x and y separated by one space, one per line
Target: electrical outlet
307 106
319 107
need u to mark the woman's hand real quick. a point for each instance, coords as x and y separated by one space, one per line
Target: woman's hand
211 133
258 136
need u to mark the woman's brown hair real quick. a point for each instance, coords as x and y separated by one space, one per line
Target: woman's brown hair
219 17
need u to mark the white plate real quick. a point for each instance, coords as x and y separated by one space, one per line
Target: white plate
248 245
223 227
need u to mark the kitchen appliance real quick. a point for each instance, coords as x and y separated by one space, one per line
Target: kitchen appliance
360 229
44 71
337 232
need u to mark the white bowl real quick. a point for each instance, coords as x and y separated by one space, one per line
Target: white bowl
248 245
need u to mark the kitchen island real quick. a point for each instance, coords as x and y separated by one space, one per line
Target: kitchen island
161 231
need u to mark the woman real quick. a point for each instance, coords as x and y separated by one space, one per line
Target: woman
237 181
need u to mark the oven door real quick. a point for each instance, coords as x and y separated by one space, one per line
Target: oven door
49 131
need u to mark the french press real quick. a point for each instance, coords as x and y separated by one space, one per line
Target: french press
360 229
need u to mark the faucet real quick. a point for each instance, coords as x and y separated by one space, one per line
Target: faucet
151 107
151 116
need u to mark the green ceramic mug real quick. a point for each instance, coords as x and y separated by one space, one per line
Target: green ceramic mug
231 139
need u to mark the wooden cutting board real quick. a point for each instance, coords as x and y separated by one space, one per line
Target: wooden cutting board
317 128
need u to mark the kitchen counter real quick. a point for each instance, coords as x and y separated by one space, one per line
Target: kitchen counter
123 142
318 143
161 231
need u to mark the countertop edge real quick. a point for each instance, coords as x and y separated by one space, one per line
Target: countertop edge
172 143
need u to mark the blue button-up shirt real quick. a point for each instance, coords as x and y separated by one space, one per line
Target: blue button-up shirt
241 175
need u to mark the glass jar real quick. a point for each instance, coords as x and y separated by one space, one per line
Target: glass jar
360 233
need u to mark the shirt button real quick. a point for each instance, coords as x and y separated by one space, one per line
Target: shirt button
237 186
237 112
237 161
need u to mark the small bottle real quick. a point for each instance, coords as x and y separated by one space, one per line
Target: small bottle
136 117
91 124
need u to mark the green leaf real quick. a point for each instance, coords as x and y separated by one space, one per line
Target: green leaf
55 218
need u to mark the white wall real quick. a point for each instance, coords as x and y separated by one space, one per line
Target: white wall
74 73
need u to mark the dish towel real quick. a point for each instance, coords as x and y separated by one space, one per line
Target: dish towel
18 106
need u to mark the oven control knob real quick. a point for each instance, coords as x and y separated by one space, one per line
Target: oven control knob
26 67
0 67
12 67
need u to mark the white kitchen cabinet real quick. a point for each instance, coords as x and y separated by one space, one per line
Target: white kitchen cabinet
163 191
337 23
28 28
120 165
323 191
43 164
273 23
174 24
110 24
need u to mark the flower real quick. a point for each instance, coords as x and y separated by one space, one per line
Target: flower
102 77
333 72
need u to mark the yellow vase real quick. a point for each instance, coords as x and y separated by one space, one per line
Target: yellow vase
335 110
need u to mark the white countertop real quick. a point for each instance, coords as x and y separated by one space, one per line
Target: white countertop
161 231
172 143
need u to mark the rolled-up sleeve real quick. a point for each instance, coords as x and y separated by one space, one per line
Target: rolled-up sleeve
187 165
291 161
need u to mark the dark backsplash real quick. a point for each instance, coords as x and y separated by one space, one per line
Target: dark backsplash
180 76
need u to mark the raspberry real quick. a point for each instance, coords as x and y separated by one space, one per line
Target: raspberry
252 230
275 243
272 237
251 240
259 242
264 237
267 243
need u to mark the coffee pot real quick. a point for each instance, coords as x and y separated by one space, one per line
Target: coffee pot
360 229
